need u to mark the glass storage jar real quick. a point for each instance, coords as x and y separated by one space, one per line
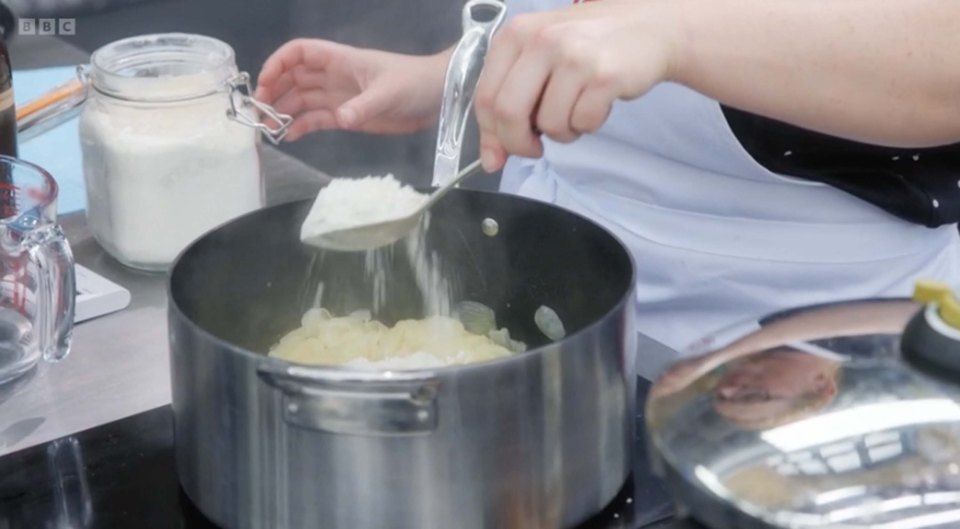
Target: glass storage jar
170 142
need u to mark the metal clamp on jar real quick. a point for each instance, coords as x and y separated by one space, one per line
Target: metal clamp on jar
170 138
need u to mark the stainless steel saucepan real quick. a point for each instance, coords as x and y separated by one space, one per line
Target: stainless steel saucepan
537 440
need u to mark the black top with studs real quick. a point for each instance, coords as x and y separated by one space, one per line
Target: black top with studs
918 185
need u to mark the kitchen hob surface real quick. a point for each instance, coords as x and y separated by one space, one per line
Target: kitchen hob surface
122 475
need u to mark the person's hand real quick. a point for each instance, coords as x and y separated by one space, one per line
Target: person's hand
325 85
560 72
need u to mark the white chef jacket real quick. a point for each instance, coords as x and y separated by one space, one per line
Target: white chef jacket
716 237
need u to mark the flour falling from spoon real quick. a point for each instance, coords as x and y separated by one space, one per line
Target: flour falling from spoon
442 334
345 203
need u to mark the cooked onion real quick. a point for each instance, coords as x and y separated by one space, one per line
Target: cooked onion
549 323
360 341
476 317
502 338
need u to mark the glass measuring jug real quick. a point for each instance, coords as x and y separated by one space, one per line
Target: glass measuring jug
37 283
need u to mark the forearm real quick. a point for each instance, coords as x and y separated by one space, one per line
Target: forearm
877 71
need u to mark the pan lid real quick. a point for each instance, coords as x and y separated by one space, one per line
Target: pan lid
841 415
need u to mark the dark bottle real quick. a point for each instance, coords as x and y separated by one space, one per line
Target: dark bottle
8 112
8 128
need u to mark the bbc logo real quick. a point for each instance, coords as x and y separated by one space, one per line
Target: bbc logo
47 26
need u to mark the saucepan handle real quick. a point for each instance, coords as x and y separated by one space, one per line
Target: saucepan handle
341 401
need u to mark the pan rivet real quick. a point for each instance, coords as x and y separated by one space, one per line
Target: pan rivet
490 227
422 415
293 408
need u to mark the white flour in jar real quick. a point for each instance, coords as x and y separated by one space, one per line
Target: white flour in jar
159 176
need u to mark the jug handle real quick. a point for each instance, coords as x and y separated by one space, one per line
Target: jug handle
56 293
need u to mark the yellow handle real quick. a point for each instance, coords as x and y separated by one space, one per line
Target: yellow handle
940 294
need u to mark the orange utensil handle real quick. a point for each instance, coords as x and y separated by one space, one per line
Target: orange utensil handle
51 98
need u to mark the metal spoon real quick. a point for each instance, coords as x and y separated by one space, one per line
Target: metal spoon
481 18
368 236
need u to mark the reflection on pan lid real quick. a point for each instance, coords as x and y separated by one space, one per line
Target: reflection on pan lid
840 415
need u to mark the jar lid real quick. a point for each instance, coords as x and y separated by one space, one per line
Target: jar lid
818 418
164 67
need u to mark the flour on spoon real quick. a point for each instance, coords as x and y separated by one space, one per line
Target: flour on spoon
347 203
